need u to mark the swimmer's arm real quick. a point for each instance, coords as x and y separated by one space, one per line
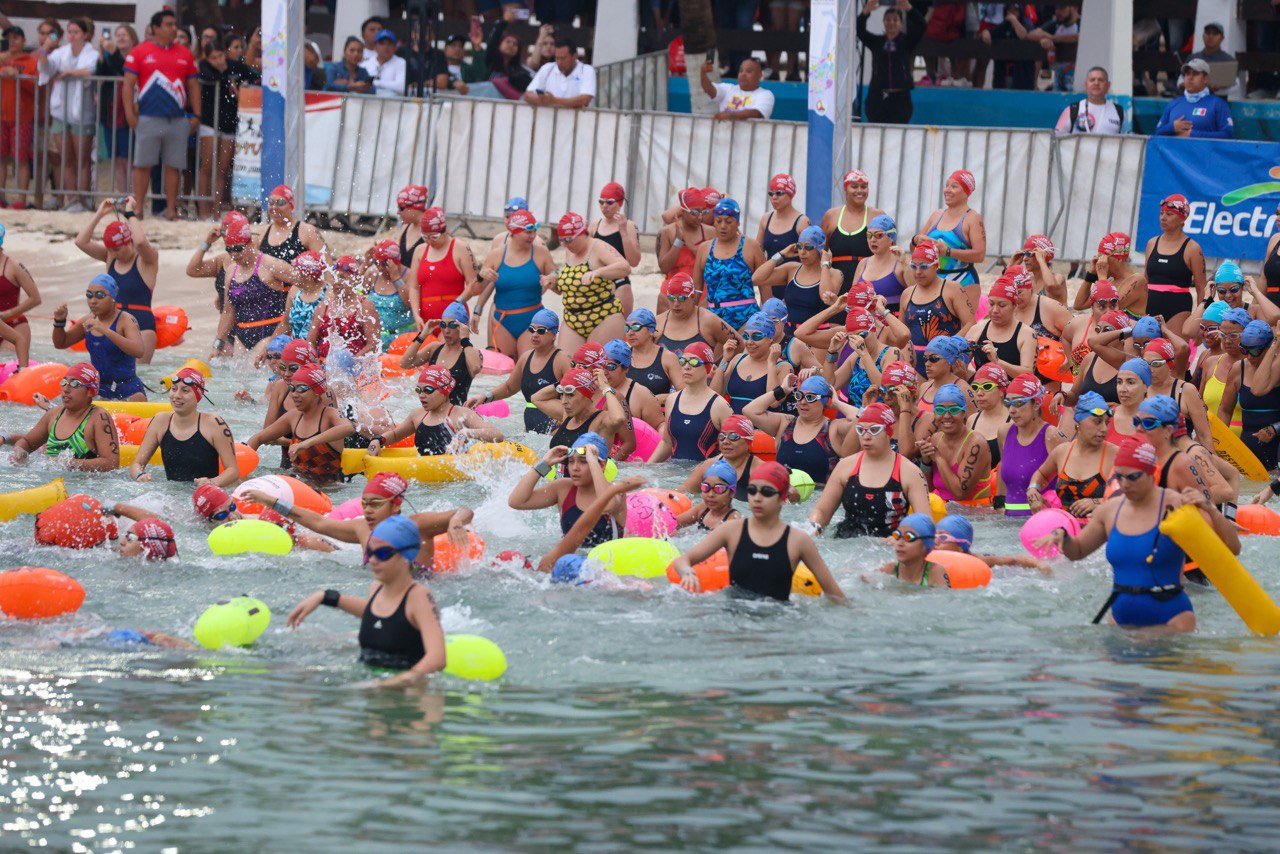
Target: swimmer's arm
959 303
200 267
27 283
167 641
1047 470
822 512
1016 560
276 274
813 559
1226 530
402 430
147 447
102 438
975 464
710 544
805 330
1230 394
342 530
224 444
592 514
1026 354
423 612
548 403
758 411
608 263
896 335
668 252
340 429
699 286
915 487
975 229
690 516
1083 293
1089 540
1107 347
35 438
129 511
478 428
226 322
527 495
372 324
84 240
434 522
507 387
280 428
353 605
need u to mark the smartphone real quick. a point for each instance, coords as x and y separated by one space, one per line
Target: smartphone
106 33
522 14
711 55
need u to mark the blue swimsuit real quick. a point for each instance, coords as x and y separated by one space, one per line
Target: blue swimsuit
134 296
948 267
117 369
730 294
742 391
301 312
517 295
1147 570
693 437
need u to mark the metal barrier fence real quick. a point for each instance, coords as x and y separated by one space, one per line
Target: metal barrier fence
71 146
633 84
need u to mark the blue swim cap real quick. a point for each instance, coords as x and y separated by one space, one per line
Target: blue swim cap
949 395
545 317
594 440
277 344
1139 367
341 360
884 223
817 385
922 524
568 569
958 528
1215 312
1160 406
723 470
1229 273
618 351
1256 334
515 203
1 235
1146 327
963 346
121 637
107 283
944 346
643 315
1239 316
775 308
1087 402
455 311
727 207
761 322
814 236
400 533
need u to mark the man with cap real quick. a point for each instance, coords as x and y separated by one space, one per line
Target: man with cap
1197 113
192 446
535 369
763 549
687 322
388 71
1212 52
131 260
74 427
110 335
315 428
383 497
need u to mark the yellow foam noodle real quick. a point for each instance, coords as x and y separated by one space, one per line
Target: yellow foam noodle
34 500
447 467
1186 527
1231 448
804 583
193 362
140 408
353 458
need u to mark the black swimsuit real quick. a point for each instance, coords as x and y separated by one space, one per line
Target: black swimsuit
433 439
614 240
1169 271
652 376
461 373
390 641
190 458
566 435
535 420
1107 389
677 345
762 570
873 511
290 249
1006 351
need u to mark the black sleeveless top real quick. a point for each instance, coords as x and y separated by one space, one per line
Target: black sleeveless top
1169 269
651 376
291 248
1006 351
566 435
433 439
1271 275
391 641
461 373
614 240
188 459
763 570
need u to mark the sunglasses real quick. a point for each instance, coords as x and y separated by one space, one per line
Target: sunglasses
867 431
1131 476
953 409
691 362
567 389
731 436
766 491
717 488
299 388
754 336
611 365
1148 423
381 553
96 294
1018 402
1108 303
678 299
1256 350
773 194
221 515
906 536
74 383
636 327
807 397
809 247
1232 290
450 324
984 386
425 389
913 265
933 358
1158 363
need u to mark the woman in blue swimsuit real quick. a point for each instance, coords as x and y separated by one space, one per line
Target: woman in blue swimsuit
515 273
131 261
725 265
962 243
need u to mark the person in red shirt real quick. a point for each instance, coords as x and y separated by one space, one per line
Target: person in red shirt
17 114
160 90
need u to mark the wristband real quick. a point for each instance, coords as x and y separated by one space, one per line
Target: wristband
677 243
108 507
128 214
283 506
826 265
779 393
331 598
1274 485
776 257
204 246
543 468
832 358
479 312
488 397
724 365
59 324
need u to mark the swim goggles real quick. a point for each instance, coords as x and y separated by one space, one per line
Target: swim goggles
540 330
1149 423
905 536
1131 476
808 247
754 336
288 367
239 247
944 537
953 409
633 327
132 536
570 389
691 362
450 324
274 354
1099 411
74 383
299 388
1158 363
611 365
1256 350
934 357
773 194
731 436
984 386
530 228
717 488
766 491
866 431
678 299
1104 304
807 397
913 265
96 294
1207 329
221 515
381 553
1232 290
607 201
425 389
1018 402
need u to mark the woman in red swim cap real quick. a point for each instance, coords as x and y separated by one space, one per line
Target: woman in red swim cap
958 233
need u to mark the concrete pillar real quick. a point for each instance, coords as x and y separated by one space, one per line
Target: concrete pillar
1106 39
617 31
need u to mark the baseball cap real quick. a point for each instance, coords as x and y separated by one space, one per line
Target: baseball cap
385 35
1197 65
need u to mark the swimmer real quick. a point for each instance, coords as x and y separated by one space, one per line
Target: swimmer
652 365
1176 278
621 233
679 239
148 537
1256 388
725 266
512 274
956 457
1124 344
411 203
1132 382
1044 315
436 425
92 443
316 428
513 206
1112 264
1159 355
637 401
192 446
1102 299
286 237
442 270
571 405
867 355
744 377
801 274
763 550
1095 374
583 463
131 637
345 319
846 226
715 507
963 244
1146 565
889 331
1036 257
216 506
1082 465
695 413
389 291
382 498
886 267
306 296
735 438
912 542
784 224
1156 422
932 306
454 351
536 368
402 631
877 487
1025 443
988 387
807 441
592 311
943 365
1001 339
687 322
955 534
131 261
18 295
110 335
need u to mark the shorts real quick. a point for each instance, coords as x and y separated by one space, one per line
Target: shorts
207 132
161 141
122 389
1139 610
115 141
1168 303
58 128
16 140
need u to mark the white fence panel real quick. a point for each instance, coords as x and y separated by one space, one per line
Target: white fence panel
382 145
1100 179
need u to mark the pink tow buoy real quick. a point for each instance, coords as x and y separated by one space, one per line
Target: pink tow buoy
983 307
349 509
495 363
1043 523
647 516
494 409
647 441
8 369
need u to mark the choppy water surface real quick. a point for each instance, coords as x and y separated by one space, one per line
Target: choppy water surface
911 719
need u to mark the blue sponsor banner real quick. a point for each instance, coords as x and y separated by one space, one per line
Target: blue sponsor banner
1233 188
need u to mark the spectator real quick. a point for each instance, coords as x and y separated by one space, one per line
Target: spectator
1212 51
369 31
314 75
544 49
1197 113
253 53
502 58
1094 114
116 135
71 106
743 100
1062 28
160 112
347 75
387 71
236 64
17 115
458 75
219 120
208 36
946 24
892 56
182 38
565 83
1011 74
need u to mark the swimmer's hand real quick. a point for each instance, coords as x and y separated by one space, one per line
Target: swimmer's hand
200 481
1194 497
474 401
1053 538
145 477
296 447
556 455
488 274
1082 508
18 455
257 496
42 402
243 396
689 581
627 484
304 608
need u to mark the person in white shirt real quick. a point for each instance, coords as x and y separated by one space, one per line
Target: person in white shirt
1094 114
387 70
746 100
565 82
369 35
71 106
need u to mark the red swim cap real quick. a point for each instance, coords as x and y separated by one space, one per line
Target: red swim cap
312 376
156 537
992 373
589 355
740 424
208 498
1041 242
522 221
1137 453
859 320
298 352
1024 385
925 253
285 192
1102 289
700 350
773 473
117 235
1161 348
965 179
613 190
434 221
192 378
438 377
310 264
782 182
386 484
878 413
571 225
412 196
1004 288
86 373
579 379
386 251
679 285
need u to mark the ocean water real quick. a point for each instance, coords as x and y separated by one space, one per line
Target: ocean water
631 716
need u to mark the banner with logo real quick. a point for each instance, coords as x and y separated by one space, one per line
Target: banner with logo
323 121
1233 188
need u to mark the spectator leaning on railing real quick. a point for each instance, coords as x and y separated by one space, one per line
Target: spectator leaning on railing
387 70
565 82
745 100
71 106
347 74
1093 114
1197 113
17 115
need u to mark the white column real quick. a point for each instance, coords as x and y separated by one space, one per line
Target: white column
617 31
1106 39
349 15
